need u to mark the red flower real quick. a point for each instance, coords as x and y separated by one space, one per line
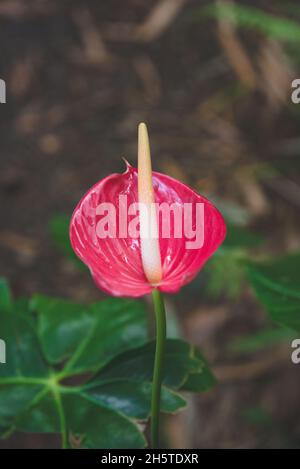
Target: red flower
118 263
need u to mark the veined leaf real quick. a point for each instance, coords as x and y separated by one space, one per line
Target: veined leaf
24 363
88 335
82 422
131 398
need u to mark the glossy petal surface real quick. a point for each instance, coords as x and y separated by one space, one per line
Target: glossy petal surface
115 263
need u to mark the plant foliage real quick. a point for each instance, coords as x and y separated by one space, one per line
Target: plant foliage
276 283
85 371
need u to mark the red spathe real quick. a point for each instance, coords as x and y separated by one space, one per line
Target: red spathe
115 263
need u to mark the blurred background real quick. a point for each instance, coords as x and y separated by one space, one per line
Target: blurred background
213 82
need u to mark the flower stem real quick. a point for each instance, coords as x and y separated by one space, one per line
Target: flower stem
160 316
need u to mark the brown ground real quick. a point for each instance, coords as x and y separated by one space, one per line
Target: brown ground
80 76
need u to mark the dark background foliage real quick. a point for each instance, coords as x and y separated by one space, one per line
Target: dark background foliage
216 96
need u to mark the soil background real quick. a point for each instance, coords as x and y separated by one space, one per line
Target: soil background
80 76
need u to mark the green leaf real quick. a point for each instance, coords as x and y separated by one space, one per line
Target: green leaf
227 268
90 335
61 326
132 398
280 275
50 340
23 357
226 274
22 305
85 423
16 399
277 285
42 416
202 380
240 237
105 429
137 364
24 364
59 231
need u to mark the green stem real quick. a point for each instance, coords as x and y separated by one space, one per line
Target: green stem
62 418
160 316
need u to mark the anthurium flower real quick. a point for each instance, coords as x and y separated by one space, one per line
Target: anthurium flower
184 230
